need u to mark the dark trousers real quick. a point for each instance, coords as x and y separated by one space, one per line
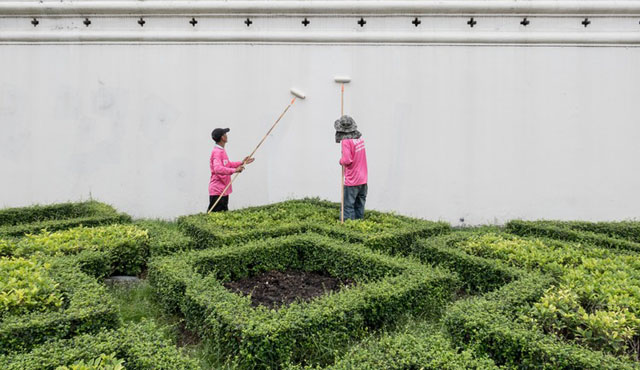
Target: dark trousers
223 204
354 199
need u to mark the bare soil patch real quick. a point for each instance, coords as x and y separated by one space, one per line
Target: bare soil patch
276 288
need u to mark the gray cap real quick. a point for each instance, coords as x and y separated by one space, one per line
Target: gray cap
346 128
345 124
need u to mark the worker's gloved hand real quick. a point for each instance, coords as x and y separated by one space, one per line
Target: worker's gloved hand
239 169
248 160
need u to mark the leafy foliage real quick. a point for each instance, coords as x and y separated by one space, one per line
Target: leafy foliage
388 287
86 308
138 346
563 231
25 286
596 301
124 248
104 362
424 348
380 231
20 221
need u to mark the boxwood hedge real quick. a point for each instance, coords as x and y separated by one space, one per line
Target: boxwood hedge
493 324
421 348
101 251
564 231
387 288
165 237
138 346
629 230
86 308
593 301
380 231
478 274
24 220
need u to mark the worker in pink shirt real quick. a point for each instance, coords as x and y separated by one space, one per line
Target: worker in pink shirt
354 161
221 171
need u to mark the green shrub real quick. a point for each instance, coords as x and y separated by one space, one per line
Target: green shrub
387 288
411 350
629 230
85 308
138 346
492 325
123 248
557 230
596 300
25 286
104 362
380 231
596 304
165 237
20 221
478 274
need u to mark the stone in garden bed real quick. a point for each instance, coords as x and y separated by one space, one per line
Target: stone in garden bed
122 280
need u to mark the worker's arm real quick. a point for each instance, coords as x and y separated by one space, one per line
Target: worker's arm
347 152
221 169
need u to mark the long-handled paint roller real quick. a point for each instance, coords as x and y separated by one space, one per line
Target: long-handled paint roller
342 80
296 94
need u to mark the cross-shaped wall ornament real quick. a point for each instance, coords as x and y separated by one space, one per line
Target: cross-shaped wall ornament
305 22
248 22
35 22
525 22
586 22
193 21
416 22
362 22
87 22
472 22
141 22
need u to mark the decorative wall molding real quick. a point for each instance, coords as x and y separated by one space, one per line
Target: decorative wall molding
317 7
474 22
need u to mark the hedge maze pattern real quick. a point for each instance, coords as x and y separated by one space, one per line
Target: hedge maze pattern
542 294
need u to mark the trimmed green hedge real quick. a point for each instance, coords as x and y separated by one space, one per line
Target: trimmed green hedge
387 288
478 274
86 308
25 286
25 220
561 231
379 231
102 250
629 230
492 324
140 346
411 350
596 300
165 237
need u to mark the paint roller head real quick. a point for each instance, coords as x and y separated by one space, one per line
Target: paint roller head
298 93
342 79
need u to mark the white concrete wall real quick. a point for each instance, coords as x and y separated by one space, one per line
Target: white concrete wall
485 133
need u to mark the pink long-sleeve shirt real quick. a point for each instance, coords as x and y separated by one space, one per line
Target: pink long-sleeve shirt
354 160
221 170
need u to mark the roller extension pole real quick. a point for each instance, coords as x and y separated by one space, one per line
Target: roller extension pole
296 94
342 80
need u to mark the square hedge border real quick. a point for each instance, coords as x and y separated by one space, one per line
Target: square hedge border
490 324
19 221
141 346
387 288
87 309
120 253
393 241
562 231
